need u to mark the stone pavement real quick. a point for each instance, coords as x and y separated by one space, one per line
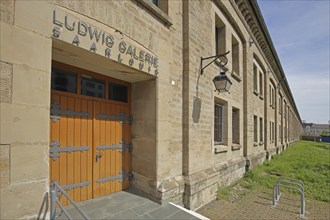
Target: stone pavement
257 205
128 204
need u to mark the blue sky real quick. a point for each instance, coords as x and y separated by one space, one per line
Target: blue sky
300 32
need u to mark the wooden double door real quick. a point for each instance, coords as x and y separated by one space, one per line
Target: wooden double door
90 145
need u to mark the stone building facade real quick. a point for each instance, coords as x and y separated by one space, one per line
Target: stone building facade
84 82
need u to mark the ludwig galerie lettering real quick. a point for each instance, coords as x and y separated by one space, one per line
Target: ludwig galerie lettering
102 42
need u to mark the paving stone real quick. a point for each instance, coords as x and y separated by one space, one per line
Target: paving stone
127 214
145 217
145 208
164 211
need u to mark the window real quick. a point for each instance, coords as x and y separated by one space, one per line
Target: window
71 79
235 54
155 2
118 92
92 87
161 4
261 129
220 37
280 132
255 128
218 124
273 131
235 126
63 80
280 105
260 84
271 95
158 8
270 131
255 78
258 79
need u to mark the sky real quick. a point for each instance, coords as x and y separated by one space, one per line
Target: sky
300 31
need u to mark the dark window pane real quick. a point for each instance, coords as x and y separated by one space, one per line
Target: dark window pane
92 87
117 92
63 80
218 111
154 2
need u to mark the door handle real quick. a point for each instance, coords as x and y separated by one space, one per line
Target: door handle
98 156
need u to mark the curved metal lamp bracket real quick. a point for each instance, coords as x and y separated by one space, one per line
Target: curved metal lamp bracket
214 59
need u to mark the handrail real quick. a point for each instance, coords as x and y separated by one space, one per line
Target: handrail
55 188
283 182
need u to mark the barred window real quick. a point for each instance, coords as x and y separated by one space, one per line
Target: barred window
255 128
255 78
261 84
261 129
235 126
218 124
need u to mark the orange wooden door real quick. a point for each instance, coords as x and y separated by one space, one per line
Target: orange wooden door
112 152
89 152
71 138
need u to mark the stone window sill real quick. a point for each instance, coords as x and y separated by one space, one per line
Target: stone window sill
157 12
261 143
236 147
255 144
220 149
236 76
256 92
261 97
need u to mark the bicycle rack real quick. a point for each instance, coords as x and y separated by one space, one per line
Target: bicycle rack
291 184
56 192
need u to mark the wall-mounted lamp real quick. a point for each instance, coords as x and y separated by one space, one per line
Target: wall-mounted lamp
221 82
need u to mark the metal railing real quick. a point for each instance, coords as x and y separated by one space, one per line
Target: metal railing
290 183
56 192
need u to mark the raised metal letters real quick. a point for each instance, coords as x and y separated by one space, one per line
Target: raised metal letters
75 185
100 40
121 117
141 66
55 150
55 112
93 47
56 32
107 52
131 61
122 146
67 25
119 58
76 40
121 177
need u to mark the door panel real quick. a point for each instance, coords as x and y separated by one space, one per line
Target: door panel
108 140
72 132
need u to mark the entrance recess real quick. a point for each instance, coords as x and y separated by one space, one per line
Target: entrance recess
90 133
